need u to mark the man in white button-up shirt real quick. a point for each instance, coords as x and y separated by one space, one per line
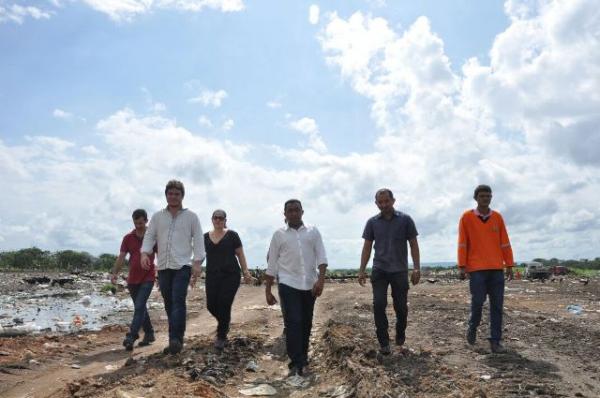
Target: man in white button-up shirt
295 253
178 235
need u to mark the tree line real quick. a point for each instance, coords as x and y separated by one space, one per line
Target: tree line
35 259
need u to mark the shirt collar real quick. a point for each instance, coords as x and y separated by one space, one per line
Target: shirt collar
287 227
395 214
484 216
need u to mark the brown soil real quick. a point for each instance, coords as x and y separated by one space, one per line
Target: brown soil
552 353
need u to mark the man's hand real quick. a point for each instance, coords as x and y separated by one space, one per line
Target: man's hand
196 273
271 300
509 273
317 289
415 277
145 261
463 274
362 277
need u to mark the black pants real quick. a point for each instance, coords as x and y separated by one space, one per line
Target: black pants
399 283
297 307
220 292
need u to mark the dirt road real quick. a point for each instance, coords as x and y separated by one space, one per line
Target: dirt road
552 352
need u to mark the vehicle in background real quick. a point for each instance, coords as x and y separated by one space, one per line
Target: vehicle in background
536 270
559 270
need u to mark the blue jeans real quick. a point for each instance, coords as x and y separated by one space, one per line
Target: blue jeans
297 307
173 288
482 284
139 294
399 283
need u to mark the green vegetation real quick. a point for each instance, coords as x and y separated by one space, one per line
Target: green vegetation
34 259
571 264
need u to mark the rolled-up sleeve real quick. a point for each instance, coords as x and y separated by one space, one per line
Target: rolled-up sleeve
320 253
150 236
273 256
198 240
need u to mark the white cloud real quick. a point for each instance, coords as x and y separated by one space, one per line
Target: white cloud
227 125
308 127
159 107
313 14
18 13
274 104
60 114
210 98
204 121
127 10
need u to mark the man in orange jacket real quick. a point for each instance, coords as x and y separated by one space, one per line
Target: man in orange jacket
483 253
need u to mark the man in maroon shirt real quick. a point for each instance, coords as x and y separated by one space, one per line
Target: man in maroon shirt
140 280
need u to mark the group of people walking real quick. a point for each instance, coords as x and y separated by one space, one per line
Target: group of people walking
297 261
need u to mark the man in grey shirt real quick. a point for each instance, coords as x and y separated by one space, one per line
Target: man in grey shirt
178 235
389 230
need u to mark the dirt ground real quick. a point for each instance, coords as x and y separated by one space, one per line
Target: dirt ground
552 352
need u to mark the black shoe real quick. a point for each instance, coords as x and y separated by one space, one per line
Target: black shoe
400 340
147 340
175 347
128 344
220 343
497 348
385 350
471 336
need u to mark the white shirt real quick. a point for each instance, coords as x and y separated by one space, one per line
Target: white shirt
178 238
294 256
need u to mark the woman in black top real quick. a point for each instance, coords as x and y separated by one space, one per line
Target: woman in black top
223 250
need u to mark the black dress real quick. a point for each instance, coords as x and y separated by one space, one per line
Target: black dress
222 278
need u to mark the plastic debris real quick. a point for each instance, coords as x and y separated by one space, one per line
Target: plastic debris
574 309
252 366
259 390
486 377
297 381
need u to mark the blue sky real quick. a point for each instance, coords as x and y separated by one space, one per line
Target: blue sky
253 102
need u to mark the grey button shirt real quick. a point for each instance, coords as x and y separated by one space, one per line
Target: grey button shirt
178 238
390 237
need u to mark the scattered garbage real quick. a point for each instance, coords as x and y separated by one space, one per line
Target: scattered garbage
252 366
297 381
75 366
259 390
485 377
574 309
275 307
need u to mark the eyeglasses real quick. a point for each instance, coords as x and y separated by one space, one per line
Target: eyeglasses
218 218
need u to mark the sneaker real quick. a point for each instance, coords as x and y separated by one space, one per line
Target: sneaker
471 336
128 344
147 340
175 347
220 343
385 350
497 348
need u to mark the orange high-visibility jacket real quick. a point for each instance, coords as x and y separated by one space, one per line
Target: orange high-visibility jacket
483 245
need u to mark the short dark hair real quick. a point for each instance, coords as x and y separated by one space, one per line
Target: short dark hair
139 213
384 190
290 201
175 184
481 188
